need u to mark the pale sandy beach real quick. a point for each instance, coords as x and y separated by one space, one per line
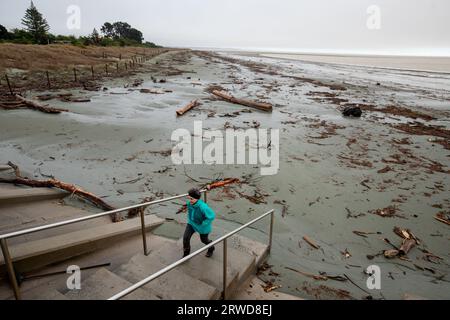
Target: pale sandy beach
429 64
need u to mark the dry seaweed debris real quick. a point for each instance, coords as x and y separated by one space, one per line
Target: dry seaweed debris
418 128
388 212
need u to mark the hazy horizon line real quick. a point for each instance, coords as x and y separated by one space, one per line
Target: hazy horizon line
438 52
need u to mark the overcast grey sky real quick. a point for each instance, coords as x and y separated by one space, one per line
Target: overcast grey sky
406 26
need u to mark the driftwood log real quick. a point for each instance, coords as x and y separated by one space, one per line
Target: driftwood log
70 99
155 91
223 183
391 254
53 183
442 217
311 243
258 105
21 102
36 106
190 106
407 246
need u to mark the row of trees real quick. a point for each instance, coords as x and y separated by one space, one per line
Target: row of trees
37 29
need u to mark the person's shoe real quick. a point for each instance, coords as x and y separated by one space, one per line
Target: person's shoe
185 254
210 253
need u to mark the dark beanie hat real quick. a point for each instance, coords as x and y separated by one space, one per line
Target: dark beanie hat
195 193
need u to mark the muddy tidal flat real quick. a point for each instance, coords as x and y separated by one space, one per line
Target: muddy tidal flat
430 64
348 192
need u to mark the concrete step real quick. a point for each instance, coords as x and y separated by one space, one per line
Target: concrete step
243 244
174 285
19 216
116 255
242 262
29 194
105 284
30 256
208 270
43 293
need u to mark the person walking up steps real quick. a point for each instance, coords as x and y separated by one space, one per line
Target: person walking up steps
199 219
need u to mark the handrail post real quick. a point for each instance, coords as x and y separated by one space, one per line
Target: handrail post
144 236
272 217
10 269
224 294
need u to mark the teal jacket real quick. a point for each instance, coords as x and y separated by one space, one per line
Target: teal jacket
200 217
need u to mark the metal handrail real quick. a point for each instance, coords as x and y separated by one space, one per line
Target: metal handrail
196 253
106 213
4 237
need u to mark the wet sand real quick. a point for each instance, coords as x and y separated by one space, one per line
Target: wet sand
333 170
428 64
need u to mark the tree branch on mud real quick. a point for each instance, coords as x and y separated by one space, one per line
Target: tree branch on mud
54 183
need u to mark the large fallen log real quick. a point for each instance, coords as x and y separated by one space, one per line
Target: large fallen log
258 105
190 106
36 106
53 183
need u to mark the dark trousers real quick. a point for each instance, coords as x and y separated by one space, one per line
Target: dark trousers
187 240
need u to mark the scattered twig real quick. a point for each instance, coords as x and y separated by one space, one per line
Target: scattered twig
311 243
355 284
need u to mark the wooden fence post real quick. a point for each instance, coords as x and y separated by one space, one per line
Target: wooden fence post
9 85
48 79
